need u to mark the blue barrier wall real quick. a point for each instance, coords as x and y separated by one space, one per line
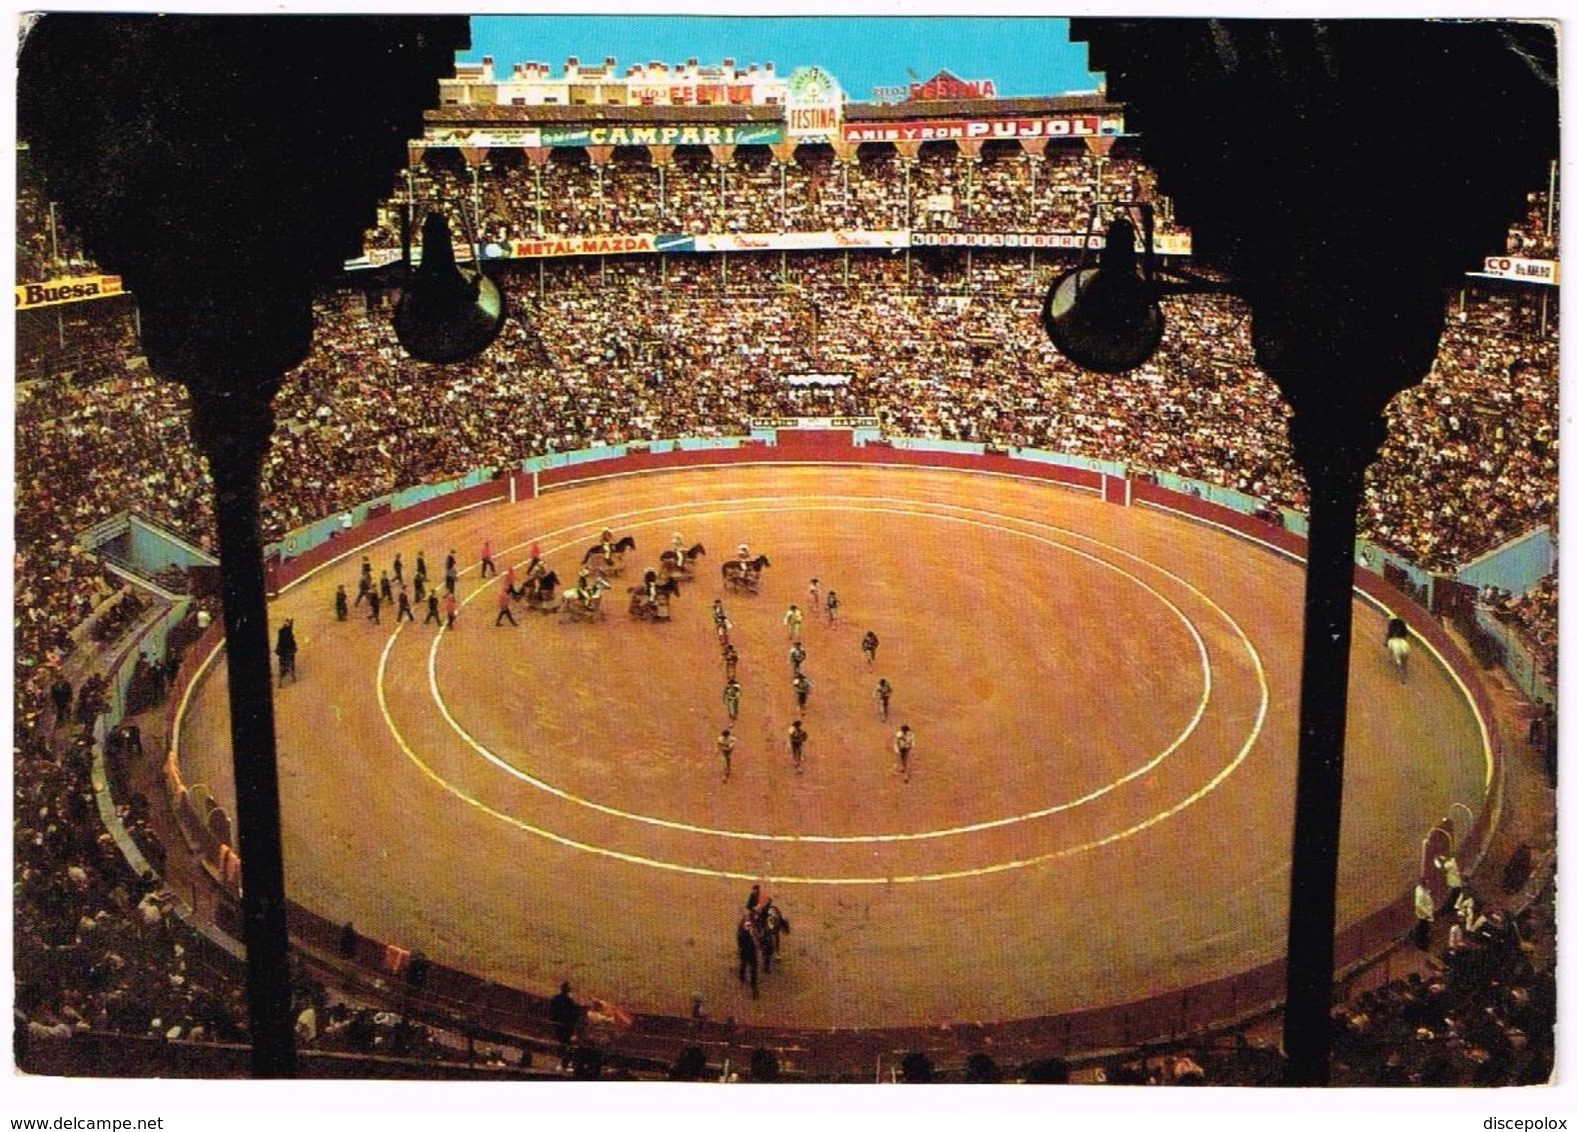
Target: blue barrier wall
1519 663
1514 567
1063 460
303 539
145 550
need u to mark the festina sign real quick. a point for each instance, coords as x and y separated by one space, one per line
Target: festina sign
812 121
944 85
984 129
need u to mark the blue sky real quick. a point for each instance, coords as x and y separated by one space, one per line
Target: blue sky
1022 55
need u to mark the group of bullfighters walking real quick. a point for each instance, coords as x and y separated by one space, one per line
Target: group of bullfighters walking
798 738
442 609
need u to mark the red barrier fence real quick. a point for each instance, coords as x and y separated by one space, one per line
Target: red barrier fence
842 452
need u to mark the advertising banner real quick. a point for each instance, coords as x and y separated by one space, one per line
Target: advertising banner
814 108
76 289
945 85
1166 243
818 379
487 137
814 121
687 93
550 246
984 129
814 422
742 133
1529 270
797 241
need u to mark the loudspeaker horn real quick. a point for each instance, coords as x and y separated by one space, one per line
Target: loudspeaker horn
445 314
1105 318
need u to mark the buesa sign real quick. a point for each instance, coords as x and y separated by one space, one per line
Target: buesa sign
814 105
30 296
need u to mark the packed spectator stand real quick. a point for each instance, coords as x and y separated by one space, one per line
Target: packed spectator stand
941 343
1005 189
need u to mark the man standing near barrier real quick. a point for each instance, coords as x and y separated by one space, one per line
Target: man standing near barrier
564 1016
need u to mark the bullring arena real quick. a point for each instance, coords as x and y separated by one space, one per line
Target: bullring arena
1093 843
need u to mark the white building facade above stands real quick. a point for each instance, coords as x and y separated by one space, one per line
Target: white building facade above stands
601 84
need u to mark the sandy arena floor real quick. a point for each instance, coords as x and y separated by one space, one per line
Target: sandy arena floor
1100 806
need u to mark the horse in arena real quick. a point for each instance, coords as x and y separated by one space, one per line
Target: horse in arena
744 575
584 604
1397 644
539 591
681 563
653 605
611 552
